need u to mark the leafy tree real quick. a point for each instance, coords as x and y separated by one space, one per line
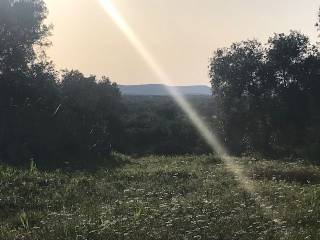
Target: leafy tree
235 74
27 83
50 122
266 96
22 29
292 72
87 118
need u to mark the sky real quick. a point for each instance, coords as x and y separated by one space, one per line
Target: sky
181 35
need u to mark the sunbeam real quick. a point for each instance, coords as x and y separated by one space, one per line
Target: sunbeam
211 139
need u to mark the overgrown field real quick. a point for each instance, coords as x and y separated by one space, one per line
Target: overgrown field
186 197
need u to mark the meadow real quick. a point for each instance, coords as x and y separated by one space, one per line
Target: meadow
158 197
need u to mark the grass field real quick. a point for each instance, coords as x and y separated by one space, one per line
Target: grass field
186 197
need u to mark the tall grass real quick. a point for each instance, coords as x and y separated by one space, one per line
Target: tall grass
183 197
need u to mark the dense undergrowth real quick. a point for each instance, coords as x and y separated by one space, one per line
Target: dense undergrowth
184 197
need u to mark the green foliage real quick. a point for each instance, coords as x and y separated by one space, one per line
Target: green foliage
87 118
22 29
183 197
156 125
24 221
33 167
53 123
271 91
265 99
27 84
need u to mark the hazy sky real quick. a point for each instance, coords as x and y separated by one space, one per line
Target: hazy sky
180 34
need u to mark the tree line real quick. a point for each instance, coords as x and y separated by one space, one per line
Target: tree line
265 100
51 120
68 120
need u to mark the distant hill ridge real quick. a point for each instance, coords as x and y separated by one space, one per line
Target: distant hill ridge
162 90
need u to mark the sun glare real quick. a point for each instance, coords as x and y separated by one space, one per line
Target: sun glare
247 184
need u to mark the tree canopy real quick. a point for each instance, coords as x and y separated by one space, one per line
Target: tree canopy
55 122
270 90
266 99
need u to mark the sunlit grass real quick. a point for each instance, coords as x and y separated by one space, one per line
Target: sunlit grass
186 197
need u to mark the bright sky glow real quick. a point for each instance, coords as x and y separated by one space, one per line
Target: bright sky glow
181 34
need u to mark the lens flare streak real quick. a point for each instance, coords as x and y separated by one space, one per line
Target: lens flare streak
233 167
162 76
